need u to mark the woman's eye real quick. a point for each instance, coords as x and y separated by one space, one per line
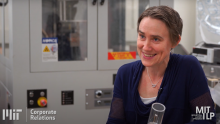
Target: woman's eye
141 36
156 39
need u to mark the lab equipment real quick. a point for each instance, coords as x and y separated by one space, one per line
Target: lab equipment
156 113
207 49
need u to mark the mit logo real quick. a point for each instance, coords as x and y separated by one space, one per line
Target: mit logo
11 113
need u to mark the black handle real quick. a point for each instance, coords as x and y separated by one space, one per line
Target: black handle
1 4
94 2
102 2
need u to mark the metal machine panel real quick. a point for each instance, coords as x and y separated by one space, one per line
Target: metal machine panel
98 98
33 98
54 82
118 30
89 63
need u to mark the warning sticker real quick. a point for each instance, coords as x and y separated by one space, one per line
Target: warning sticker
121 55
46 49
49 50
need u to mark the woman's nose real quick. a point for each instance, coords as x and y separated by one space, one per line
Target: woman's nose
147 45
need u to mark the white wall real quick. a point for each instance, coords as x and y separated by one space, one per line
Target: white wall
187 11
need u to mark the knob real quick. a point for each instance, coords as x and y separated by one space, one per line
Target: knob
31 102
31 94
42 101
42 93
98 93
99 102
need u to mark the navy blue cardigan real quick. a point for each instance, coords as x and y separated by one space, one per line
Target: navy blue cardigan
184 87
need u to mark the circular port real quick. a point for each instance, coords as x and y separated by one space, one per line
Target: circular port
98 93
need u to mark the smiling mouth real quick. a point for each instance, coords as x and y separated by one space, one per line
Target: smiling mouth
149 55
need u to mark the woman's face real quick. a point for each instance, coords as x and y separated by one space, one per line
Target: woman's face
153 42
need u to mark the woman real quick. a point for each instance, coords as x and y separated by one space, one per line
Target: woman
176 81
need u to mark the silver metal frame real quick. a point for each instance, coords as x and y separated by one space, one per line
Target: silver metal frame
103 62
35 43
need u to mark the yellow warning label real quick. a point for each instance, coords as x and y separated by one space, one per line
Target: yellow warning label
121 55
46 49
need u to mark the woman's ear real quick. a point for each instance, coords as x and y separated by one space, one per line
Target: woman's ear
176 42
